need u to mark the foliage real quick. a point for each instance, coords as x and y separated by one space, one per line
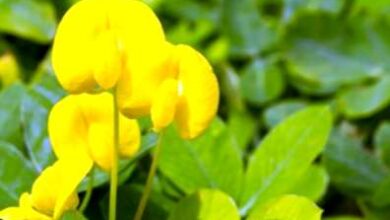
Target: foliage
275 144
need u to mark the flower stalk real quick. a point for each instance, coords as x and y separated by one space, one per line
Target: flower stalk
114 169
88 193
149 181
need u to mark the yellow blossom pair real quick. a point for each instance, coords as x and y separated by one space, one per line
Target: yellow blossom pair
120 44
53 193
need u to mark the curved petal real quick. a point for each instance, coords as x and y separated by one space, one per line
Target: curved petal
99 41
199 95
164 105
100 137
54 191
68 128
106 60
82 125
71 175
16 213
149 67
24 211
74 39
129 137
96 108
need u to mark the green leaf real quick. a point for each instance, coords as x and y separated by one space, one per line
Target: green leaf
288 207
248 34
36 104
11 97
34 114
381 196
206 204
364 101
191 33
293 7
128 199
353 170
212 160
372 212
31 19
16 176
382 142
261 82
285 154
242 126
45 82
376 7
324 54
313 183
274 114
231 88
73 215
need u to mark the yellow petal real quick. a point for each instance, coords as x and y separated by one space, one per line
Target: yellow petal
100 137
146 71
106 60
45 191
68 128
103 40
199 93
73 42
25 201
164 105
24 211
83 125
54 190
17 213
129 137
101 140
71 173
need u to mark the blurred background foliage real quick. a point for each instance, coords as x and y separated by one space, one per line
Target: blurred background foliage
272 58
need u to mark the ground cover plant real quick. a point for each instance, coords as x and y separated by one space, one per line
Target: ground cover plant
195 109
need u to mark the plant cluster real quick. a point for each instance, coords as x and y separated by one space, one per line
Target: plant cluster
109 114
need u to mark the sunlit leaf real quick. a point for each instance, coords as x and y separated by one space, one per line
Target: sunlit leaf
288 207
210 161
206 204
313 183
284 155
32 19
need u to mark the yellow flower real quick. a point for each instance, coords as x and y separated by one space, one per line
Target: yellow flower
102 43
53 192
189 97
83 125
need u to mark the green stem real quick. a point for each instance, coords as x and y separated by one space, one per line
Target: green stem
88 193
114 168
149 181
